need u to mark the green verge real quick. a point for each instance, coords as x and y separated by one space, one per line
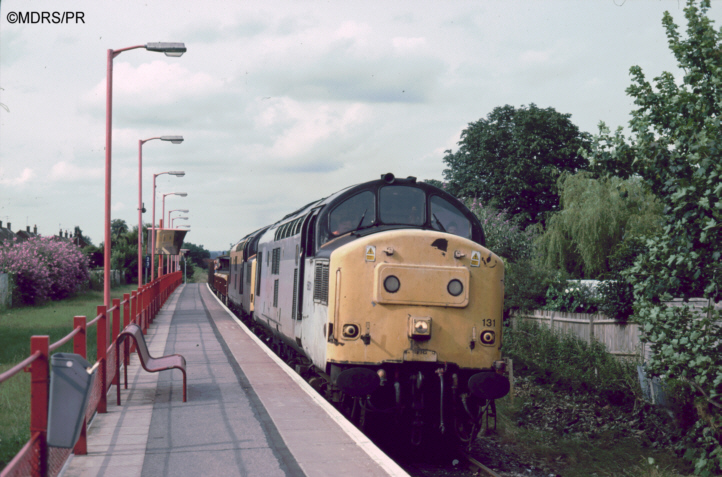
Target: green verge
17 325
578 410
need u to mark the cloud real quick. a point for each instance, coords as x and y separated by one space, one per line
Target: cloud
26 175
298 127
67 171
152 84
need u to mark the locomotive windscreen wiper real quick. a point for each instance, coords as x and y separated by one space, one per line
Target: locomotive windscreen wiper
438 222
363 216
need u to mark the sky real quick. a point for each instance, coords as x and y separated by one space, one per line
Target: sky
284 102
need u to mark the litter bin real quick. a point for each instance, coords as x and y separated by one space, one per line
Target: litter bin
70 384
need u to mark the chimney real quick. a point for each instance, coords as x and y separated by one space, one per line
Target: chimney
27 228
35 229
1 224
9 228
66 234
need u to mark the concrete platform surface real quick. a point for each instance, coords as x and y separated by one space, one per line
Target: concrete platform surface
247 414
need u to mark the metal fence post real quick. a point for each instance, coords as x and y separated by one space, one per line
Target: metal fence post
39 389
102 350
80 346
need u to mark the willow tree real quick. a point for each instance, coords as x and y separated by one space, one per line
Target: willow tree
597 217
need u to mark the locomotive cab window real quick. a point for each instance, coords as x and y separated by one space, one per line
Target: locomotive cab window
356 212
447 218
402 205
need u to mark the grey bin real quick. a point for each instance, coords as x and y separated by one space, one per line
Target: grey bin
70 384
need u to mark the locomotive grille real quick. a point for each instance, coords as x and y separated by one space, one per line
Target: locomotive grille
276 261
275 293
320 286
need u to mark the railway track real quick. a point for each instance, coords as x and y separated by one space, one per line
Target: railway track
472 462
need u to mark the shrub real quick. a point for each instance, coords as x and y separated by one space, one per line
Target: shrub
504 236
44 268
571 363
563 295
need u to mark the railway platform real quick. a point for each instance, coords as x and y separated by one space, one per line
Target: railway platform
247 413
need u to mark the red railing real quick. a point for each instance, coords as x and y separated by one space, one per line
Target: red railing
36 458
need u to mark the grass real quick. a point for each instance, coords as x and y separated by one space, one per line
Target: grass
574 410
17 325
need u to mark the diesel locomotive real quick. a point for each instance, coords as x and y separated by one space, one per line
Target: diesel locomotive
386 295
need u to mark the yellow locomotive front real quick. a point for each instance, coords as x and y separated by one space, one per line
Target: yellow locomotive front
415 295
415 327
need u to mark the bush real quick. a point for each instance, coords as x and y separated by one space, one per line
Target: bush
563 295
571 363
44 268
525 286
504 236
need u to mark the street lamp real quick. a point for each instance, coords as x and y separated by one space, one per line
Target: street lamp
141 209
185 211
177 218
170 49
152 240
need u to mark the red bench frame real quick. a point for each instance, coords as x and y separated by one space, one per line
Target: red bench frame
149 363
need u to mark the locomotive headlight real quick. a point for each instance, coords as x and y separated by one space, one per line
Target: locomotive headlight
350 331
392 284
421 327
455 287
487 337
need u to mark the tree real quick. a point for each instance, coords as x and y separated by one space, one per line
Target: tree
675 148
196 254
597 217
512 159
118 227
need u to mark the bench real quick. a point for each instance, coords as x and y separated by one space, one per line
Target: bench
149 363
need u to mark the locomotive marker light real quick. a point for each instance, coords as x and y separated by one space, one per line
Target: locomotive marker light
487 337
170 49
392 284
152 233
455 287
141 209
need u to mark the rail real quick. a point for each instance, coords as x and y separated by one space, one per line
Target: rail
36 458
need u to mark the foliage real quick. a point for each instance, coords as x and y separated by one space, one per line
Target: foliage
525 285
598 216
570 363
504 235
196 254
675 149
570 297
512 159
44 268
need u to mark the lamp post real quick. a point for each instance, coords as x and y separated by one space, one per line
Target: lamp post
176 218
170 49
141 209
185 211
152 245
181 194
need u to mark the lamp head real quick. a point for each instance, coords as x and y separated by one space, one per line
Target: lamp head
172 139
170 49
182 194
177 173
